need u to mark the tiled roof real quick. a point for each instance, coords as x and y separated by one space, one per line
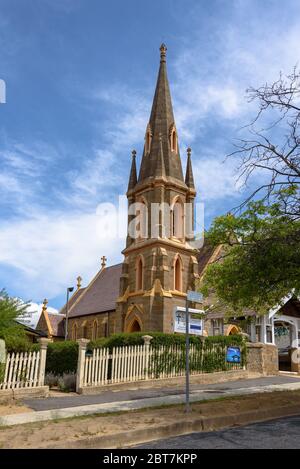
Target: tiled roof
57 322
101 294
72 300
204 256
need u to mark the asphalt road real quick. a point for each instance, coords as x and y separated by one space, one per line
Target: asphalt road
276 434
220 389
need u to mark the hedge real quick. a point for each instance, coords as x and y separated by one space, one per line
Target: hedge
20 344
62 356
160 338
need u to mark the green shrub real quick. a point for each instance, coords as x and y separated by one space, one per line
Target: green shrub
51 380
20 344
67 382
160 338
62 357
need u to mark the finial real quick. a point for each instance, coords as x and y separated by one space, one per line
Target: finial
45 302
189 151
133 153
79 280
163 50
103 263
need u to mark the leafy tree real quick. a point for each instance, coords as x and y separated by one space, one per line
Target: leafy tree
11 309
260 261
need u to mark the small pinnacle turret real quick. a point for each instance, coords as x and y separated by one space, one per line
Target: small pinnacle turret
189 178
133 174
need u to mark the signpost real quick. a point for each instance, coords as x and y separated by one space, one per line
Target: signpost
195 297
195 323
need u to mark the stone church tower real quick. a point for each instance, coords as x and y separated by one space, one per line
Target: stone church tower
159 265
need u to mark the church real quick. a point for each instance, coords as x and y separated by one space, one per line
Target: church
142 293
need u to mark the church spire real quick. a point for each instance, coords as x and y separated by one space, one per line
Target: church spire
133 177
160 170
189 178
161 123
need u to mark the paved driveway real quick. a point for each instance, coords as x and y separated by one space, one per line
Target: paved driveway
276 434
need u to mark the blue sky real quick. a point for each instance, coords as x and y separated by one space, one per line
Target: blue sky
80 77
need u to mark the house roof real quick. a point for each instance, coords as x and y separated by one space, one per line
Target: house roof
100 295
206 255
57 322
291 308
32 331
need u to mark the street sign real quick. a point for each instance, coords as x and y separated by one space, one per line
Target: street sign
194 296
195 324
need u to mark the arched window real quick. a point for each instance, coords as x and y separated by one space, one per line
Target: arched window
148 139
178 275
84 330
139 274
105 328
177 219
74 331
173 139
95 330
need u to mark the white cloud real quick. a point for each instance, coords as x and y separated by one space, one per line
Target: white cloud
49 251
33 312
48 248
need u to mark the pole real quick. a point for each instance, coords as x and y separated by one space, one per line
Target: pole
67 312
187 352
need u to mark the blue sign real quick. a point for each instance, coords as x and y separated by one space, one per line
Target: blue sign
194 296
233 355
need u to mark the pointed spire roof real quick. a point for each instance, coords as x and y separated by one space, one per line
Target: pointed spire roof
160 170
189 178
161 123
133 176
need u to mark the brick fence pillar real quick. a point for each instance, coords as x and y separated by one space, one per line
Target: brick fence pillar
262 358
295 360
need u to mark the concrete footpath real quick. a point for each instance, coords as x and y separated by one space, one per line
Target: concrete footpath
76 406
134 393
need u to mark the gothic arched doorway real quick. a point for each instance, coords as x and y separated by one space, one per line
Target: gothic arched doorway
135 326
232 330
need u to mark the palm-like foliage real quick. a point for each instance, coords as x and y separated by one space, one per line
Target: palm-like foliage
11 309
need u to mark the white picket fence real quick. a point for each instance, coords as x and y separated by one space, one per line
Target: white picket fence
21 370
135 363
25 370
127 364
